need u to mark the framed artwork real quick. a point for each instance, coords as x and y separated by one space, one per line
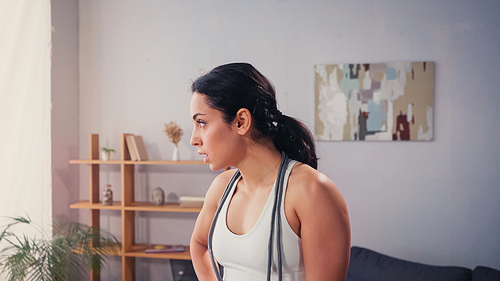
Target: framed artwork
374 101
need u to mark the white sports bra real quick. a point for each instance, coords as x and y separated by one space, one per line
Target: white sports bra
244 257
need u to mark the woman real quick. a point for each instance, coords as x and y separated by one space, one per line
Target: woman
279 217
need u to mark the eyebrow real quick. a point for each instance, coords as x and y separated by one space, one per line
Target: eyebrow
196 115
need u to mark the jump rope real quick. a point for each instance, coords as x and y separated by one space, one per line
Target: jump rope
275 221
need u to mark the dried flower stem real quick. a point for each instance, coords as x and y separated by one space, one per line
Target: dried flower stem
174 133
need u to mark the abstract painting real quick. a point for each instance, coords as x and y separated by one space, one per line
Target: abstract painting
374 101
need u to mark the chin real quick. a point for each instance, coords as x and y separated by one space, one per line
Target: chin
214 168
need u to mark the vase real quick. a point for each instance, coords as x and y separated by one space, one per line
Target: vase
105 155
107 195
175 156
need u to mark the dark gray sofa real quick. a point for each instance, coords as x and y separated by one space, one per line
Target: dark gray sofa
368 265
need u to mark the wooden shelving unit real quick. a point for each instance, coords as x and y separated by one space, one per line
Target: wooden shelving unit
127 206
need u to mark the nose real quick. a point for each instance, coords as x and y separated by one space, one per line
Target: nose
195 139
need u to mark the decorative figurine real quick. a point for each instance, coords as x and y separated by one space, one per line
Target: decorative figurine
174 134
107 195
158 196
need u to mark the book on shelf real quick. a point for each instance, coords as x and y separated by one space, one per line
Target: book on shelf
156 249
142 154
191 201
129 139
136 148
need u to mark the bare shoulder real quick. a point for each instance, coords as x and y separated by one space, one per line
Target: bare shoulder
217 187
323 223
307 181
308 187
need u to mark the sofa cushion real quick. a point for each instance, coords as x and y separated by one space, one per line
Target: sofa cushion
482 273
367 265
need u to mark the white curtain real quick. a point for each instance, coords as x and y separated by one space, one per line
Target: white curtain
25 105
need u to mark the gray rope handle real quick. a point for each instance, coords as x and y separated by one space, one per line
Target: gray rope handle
275 220
214 220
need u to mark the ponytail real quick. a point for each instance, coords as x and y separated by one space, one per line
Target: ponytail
295 139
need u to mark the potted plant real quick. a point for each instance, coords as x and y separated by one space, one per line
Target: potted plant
105 153
73 248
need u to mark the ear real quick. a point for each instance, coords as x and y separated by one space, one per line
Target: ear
243 121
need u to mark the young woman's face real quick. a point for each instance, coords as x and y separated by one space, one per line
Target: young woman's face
216 140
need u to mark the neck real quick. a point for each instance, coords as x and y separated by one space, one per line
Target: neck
259 166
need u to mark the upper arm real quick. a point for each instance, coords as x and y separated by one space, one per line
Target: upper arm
212 198
324 229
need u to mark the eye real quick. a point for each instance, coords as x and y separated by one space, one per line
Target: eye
201 123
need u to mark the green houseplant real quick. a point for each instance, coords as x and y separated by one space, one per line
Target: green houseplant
73 248
105 153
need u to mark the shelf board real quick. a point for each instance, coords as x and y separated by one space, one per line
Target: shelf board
138 251
130 162
167 207
137 206
117 205
113 250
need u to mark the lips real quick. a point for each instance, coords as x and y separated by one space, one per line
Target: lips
205 159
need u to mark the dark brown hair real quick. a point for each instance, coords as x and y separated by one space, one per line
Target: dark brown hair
230 87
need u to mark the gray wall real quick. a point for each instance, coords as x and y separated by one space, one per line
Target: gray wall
433 202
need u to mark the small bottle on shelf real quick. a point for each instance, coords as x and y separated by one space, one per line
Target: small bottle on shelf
107 195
